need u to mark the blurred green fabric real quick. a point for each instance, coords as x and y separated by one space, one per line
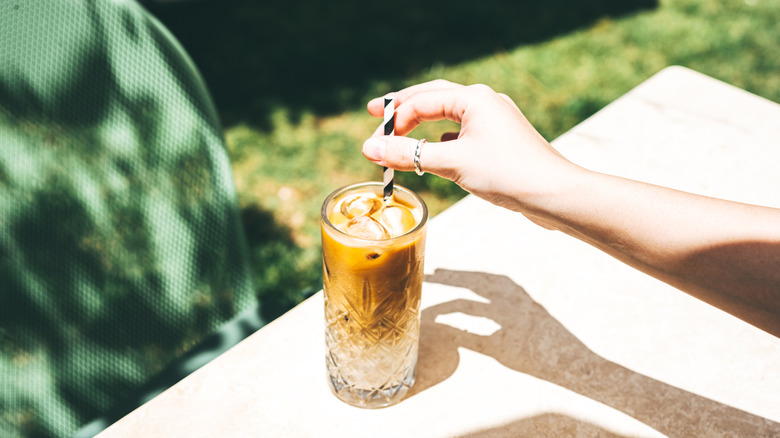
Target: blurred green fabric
120 241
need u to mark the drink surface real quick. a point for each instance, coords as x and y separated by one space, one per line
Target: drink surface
372 277
367 215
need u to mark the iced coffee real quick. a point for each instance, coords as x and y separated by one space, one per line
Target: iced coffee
372 252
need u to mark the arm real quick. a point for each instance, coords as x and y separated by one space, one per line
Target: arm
722 252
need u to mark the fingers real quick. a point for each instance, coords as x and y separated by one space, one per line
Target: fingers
431 105
484 115
376 105
438 100
398 153
435 100
393 152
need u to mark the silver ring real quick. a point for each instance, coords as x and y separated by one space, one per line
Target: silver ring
417 150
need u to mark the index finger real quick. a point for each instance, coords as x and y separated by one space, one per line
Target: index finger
376 106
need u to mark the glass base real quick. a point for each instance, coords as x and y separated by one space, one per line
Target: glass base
371 398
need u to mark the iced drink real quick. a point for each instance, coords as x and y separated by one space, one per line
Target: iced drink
372 252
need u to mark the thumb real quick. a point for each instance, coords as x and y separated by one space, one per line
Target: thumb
398 153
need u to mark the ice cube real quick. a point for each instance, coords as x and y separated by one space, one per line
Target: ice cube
360 205
397 219
365 227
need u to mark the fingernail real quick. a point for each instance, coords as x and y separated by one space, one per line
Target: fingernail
374 149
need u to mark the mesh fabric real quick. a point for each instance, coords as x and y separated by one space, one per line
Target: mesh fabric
120 243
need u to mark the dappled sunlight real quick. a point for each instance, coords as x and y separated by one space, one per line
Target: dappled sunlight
120 236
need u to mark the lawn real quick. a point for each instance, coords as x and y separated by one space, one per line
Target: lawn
291 79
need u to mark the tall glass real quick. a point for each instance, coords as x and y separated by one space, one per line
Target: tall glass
372 253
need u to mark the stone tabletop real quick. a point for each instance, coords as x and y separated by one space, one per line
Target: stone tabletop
527 332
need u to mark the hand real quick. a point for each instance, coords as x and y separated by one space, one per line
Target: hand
729 260
497 155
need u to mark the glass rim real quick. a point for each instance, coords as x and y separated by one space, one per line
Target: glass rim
325 220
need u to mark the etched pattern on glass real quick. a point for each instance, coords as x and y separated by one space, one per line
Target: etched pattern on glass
372 337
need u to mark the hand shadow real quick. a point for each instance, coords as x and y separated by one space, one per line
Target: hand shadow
531 341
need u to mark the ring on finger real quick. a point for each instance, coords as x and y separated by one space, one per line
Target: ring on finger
417 150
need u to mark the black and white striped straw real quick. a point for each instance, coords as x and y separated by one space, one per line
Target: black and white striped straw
389 126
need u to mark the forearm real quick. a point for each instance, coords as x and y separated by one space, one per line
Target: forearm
722 252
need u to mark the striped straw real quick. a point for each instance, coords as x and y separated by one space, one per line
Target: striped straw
389 124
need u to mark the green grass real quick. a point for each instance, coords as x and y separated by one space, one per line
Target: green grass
287 158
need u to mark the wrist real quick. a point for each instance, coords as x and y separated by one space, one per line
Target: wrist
554 202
